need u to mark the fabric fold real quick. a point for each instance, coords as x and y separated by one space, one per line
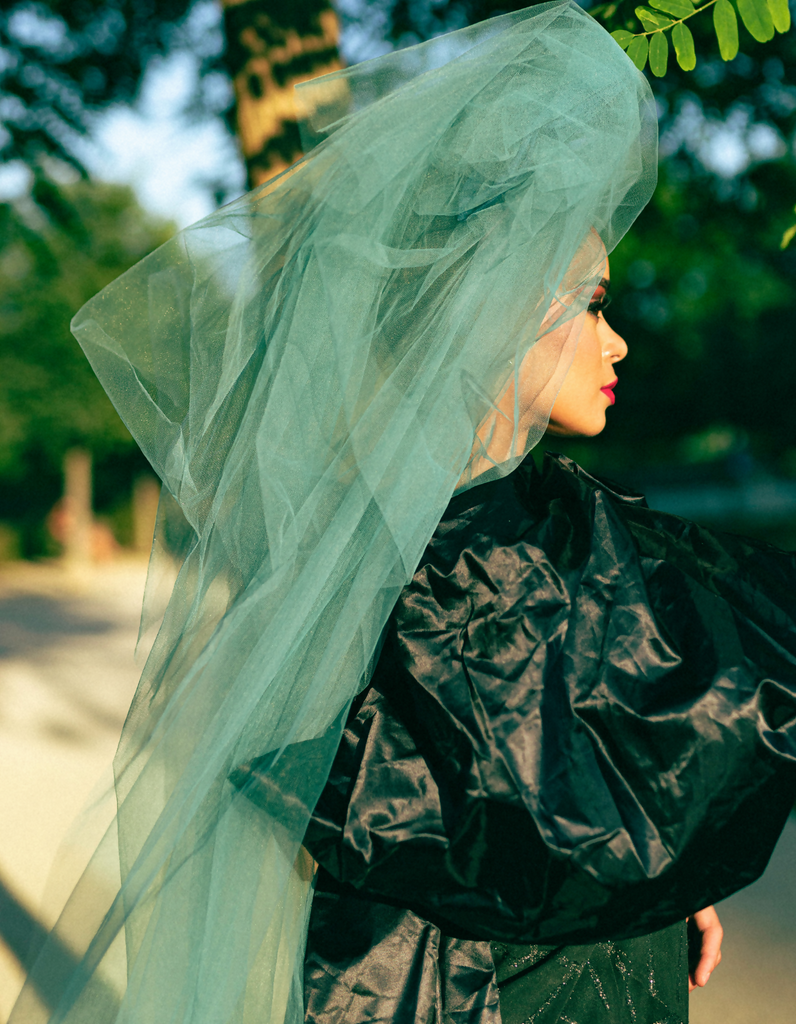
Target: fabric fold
582 723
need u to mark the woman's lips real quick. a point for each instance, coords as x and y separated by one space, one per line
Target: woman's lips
608 390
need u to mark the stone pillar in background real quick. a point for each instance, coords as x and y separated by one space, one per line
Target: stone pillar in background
146 495
77 514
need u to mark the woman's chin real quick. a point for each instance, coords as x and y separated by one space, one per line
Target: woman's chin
577 427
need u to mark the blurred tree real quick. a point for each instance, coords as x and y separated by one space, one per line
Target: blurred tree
60 64
61 60
705 298
271 47
57 249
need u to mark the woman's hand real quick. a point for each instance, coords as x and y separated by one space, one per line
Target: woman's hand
707 924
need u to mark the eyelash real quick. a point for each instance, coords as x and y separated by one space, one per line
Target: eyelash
596 306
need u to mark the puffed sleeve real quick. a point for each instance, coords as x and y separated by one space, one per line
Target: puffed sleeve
582 724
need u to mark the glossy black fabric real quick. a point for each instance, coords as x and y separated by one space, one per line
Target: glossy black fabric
372 963
582 728
582 725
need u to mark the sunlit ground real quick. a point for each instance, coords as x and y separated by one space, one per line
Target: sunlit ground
66 678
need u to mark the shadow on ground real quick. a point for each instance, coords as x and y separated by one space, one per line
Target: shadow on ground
32 623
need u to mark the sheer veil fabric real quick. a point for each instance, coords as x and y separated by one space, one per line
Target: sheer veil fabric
313 371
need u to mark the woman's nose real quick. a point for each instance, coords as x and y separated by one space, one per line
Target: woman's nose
614 347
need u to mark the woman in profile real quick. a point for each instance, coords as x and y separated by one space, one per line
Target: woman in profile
452 729
524 725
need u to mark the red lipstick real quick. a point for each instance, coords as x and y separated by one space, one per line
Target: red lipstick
608 390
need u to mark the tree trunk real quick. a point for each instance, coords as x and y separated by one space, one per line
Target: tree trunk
271 46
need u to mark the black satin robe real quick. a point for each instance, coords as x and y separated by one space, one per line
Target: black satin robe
582 728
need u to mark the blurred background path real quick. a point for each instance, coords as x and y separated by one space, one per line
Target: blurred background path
66 678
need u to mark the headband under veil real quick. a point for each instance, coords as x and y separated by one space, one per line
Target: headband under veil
313 371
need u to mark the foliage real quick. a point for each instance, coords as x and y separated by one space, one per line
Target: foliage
643 32
705 299
60 60
57 249
760 17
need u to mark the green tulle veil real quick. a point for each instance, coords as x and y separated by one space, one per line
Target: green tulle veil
313 371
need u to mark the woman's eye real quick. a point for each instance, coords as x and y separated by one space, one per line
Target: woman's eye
598 305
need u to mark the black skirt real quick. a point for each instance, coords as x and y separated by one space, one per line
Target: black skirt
371 963
642 980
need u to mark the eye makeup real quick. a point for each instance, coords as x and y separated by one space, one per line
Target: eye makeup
601 298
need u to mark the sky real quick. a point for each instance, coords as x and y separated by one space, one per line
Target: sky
166 155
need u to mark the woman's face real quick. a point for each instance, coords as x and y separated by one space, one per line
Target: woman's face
587 391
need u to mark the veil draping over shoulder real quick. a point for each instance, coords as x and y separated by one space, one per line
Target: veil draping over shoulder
313 371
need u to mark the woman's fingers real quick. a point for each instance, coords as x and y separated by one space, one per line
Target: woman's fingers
708 925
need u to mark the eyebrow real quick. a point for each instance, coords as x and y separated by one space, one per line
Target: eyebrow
604 283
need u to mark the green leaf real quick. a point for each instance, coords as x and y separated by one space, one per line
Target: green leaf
726 26
780 14
622 37
757 18
684 47
678 8
788 237
652 19
637 51
659 54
